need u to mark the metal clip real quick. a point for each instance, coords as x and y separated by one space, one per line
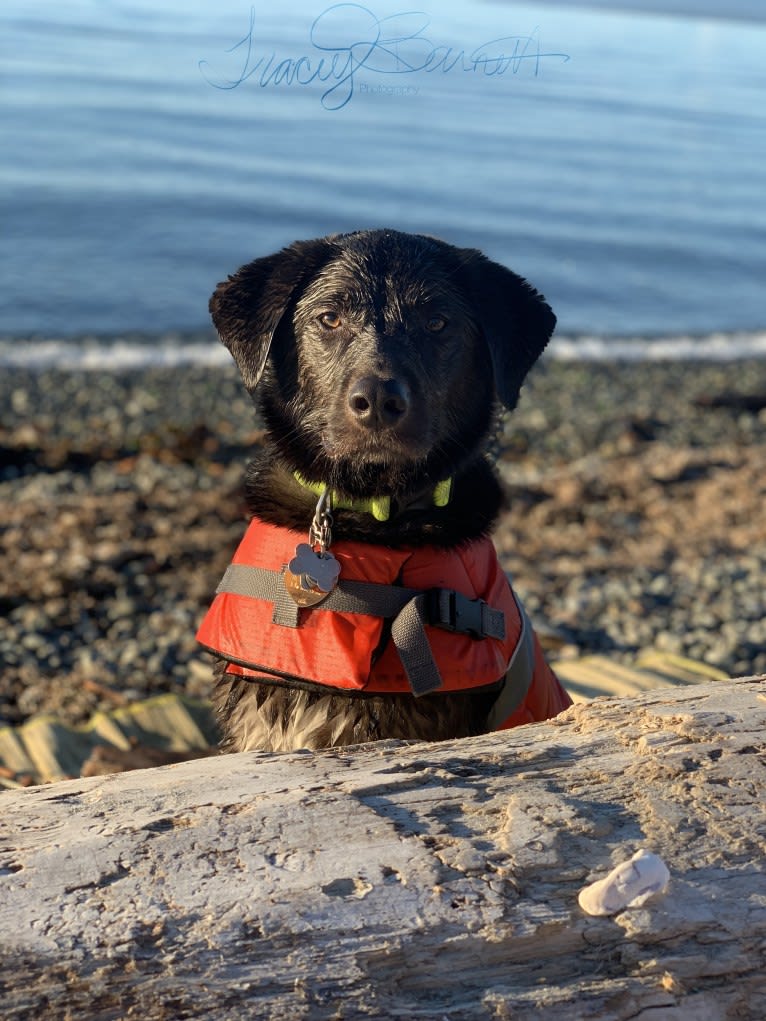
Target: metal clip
320 532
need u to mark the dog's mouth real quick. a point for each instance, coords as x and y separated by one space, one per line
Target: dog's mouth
382 448
378 419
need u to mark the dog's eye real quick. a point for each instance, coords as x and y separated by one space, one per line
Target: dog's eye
330 320
436 323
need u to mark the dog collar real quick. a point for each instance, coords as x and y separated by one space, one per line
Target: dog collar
378 506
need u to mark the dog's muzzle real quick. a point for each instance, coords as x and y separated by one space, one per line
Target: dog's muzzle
376 403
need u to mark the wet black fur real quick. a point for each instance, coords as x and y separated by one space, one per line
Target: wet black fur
386 288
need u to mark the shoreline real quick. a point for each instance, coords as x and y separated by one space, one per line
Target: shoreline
636 519
136 350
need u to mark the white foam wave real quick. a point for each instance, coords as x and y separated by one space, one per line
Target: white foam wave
720 347
119 355
122 355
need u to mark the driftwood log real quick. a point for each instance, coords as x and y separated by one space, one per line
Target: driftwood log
404 881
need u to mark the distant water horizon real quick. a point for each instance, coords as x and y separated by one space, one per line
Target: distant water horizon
733 10
613 157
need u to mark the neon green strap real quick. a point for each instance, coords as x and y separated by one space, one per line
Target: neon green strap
378 506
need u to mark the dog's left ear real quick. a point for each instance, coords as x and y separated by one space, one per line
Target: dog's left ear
516 321
248 307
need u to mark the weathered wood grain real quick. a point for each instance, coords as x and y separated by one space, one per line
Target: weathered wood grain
404 881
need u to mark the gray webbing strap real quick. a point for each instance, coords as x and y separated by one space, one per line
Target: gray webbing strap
409 636
348 597
285 608
518 676
260 584
409 609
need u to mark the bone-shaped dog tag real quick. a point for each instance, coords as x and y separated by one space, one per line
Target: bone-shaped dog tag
310 576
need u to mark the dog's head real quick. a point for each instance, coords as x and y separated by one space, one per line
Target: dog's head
378 355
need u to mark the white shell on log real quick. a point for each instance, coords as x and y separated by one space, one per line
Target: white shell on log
629 885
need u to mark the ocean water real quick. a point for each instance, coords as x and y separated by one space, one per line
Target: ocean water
611 154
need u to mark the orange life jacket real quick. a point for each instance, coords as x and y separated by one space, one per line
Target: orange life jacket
466 621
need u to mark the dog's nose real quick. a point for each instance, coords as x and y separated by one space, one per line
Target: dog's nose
376 403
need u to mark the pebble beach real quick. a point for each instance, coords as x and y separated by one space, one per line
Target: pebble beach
635 520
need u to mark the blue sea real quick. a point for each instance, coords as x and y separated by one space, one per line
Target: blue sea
613 154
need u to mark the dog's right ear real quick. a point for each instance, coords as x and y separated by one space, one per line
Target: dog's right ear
248 307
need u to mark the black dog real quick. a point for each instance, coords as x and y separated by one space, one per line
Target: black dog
377 358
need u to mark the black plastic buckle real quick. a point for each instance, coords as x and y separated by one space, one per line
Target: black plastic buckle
454 612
